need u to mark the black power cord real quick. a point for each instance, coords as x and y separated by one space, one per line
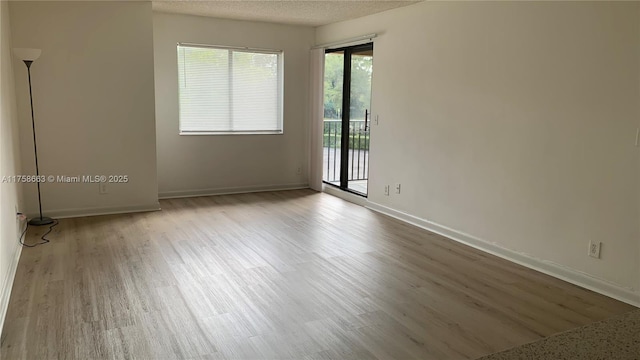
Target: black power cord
43 237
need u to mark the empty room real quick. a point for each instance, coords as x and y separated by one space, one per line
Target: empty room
319 179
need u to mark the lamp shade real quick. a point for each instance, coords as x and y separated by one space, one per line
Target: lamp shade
26 54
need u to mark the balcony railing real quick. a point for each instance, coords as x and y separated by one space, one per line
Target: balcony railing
358 167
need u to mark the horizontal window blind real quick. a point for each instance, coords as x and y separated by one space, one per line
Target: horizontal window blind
226 90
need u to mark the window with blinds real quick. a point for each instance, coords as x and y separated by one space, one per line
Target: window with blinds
229 91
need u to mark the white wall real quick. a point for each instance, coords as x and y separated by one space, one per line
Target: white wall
10 193
94 102
513 125
212 164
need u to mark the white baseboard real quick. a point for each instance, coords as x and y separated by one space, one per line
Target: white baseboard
82 212
230 190
7 285
562 272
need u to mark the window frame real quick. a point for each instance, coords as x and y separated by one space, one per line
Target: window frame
280 85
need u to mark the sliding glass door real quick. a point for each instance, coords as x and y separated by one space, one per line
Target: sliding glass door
347 109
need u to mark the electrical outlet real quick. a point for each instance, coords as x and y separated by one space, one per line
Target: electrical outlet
21 220
299 170
103 188
17 218
594 249
386 190
398 188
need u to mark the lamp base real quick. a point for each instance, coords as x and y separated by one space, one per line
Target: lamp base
41 221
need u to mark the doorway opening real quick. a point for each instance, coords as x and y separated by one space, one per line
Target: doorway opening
347 109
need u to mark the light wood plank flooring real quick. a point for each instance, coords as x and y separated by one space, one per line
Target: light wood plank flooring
278 275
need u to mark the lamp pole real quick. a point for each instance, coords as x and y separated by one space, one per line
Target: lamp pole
42 220
28 56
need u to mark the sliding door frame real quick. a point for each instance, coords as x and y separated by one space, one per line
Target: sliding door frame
346 113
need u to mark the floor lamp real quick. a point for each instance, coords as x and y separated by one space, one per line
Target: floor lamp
28 56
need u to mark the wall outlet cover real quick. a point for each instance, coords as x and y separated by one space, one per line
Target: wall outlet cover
594 249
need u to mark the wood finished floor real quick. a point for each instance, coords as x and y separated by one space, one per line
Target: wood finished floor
279 275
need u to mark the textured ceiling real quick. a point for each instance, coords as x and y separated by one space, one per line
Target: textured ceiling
297 12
